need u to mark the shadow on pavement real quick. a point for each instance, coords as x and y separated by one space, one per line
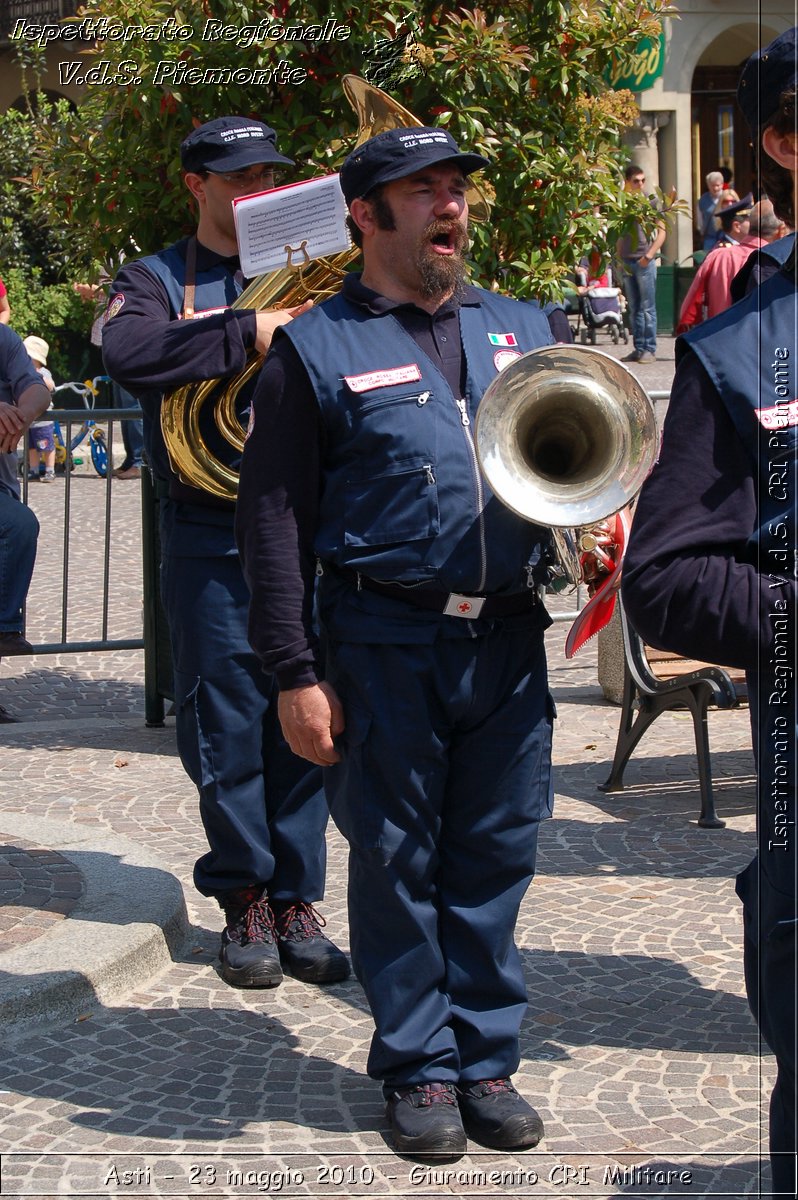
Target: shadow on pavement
192 1073
56 693
630 1001
663 787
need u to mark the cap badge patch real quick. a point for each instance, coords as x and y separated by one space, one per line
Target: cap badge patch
503 358
115 304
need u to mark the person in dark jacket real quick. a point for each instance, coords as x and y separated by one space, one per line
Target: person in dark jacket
712 574
169 323
23 398
429 705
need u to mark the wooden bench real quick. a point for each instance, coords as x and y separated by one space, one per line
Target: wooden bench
656 681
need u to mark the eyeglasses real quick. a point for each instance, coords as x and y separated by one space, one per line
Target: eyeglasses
252 178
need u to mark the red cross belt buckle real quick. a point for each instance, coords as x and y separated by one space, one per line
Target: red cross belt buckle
464 606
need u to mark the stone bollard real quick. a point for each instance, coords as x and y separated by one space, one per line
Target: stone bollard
611 659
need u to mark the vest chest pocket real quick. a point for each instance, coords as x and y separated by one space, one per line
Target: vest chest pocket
377 401
398 504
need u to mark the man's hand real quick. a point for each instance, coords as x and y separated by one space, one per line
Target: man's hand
12 427
87 291
311 717
267 322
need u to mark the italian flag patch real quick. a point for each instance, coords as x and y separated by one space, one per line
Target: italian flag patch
502 339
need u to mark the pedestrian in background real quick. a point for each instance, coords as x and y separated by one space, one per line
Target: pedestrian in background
41 435
23 397
707 210
638 253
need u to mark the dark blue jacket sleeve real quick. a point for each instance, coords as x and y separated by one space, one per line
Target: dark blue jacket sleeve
690 580
16 368
146 346
277 515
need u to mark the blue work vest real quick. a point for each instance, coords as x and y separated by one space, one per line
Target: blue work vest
779 250
750 354
402 494
214 289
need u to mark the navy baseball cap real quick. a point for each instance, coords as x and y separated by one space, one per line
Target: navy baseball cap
230 144
765 76
395 153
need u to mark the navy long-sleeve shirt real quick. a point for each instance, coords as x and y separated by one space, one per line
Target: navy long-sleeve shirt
690 581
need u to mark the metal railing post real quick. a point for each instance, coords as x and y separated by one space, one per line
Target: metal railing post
157 656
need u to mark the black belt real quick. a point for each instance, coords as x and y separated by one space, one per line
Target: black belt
451 604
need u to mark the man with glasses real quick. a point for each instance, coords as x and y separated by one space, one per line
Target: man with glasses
639 256
169 323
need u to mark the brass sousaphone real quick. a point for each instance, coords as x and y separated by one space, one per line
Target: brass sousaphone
565 437
189 454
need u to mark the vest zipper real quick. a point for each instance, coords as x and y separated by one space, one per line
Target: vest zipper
465 421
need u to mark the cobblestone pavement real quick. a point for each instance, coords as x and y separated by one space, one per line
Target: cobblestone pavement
638 1047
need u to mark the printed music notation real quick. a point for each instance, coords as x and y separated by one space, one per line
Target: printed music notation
290 225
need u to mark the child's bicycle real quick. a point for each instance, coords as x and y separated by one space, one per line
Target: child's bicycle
88 391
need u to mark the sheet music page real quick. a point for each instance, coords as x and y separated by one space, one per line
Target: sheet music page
313 213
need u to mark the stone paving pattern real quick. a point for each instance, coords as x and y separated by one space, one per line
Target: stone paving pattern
37 888
638 1046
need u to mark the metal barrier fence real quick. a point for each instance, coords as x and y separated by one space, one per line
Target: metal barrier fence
70 420
154 640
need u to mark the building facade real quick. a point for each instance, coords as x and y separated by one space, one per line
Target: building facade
689 122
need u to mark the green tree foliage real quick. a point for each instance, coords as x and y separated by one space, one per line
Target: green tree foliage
54 312
522 81
27 238
35 254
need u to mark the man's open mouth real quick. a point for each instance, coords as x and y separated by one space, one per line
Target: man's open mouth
446 241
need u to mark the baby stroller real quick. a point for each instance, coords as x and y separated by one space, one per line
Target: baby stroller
601 305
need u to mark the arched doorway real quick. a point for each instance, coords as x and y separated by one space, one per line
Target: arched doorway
720 134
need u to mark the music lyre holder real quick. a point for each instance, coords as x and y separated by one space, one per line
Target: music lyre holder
290 251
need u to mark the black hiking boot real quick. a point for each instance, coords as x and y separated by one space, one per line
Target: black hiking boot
425 1121
249 954
304 950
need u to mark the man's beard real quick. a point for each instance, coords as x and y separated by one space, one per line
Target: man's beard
441 275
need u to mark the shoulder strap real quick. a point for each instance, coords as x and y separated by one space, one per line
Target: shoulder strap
191 279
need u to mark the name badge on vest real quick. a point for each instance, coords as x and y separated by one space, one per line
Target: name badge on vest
778 417
410 373
208 312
